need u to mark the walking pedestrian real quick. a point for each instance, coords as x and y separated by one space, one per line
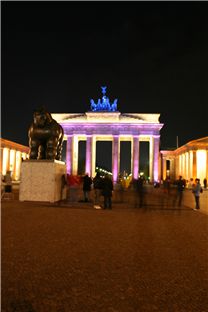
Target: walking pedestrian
107 189
87 182
97 185
8 185
197 189
180 184
205 183
140 190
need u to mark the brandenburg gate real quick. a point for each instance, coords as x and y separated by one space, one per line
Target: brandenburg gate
105 123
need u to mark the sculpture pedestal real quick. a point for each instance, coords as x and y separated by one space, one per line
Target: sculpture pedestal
41 180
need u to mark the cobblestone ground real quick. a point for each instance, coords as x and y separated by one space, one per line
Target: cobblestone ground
72 257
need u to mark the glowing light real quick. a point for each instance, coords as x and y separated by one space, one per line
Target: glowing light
186 166
190 164
18 164
12 160
201 157
5 160
24 156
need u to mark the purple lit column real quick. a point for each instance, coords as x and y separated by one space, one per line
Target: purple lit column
69 155
135 157
156 156
88 164
115 160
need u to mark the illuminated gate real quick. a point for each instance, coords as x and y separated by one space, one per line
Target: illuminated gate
105 123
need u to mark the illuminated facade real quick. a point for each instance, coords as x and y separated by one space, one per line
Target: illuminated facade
105 123
11 158
189 161
111 126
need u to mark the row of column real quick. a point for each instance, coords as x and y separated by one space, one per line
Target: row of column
72 156
192 164
11 161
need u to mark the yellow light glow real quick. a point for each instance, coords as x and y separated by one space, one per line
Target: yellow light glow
180 164
18 164
187 166
201 158
12 160
5 160
191 164
24 156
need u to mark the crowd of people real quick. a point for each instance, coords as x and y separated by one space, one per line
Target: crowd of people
102 187
99 190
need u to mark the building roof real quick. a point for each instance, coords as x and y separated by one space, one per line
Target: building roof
197 144
106 117
14 145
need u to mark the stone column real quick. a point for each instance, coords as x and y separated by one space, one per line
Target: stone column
18 165
88 164
75 142
164 168
90 155
135 157
190 160
180 166
1 160
115 158
177 167
151 159
194 165
93 157
207 165
69 155
13 162
186 166
8 159
156 157
5 160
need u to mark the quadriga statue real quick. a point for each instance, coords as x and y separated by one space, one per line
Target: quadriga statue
45 136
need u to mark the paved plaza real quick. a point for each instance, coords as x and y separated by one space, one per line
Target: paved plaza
70 257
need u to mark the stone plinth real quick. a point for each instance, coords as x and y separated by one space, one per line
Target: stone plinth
41 180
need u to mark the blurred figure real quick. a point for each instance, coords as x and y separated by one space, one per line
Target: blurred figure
180 185
196 190
166 186
87 182
73 186
190 183
63 186
118 193
166 193
8 182
8 185
205 183
140 191
107 188
97 184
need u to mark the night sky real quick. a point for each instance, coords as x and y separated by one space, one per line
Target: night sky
152 56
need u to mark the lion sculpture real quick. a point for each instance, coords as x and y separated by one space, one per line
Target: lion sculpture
45 137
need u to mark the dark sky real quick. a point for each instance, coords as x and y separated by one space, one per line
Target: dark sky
153 57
